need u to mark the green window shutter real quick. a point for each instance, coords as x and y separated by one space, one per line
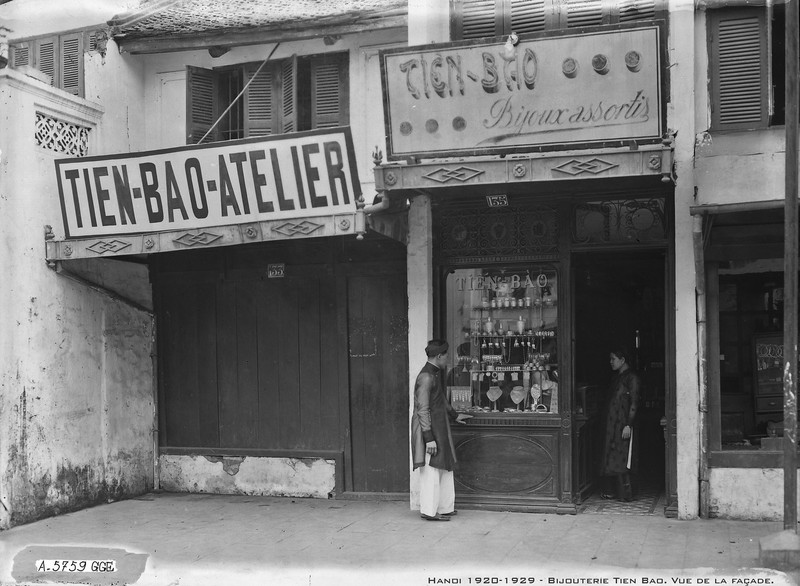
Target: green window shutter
474 19
289 95
200 104
260 100
71 65
738 69
20 55
46 58
329 91
527 16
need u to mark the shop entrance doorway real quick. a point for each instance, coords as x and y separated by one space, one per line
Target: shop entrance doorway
619 299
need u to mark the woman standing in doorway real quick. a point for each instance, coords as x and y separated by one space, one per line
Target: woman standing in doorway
619 444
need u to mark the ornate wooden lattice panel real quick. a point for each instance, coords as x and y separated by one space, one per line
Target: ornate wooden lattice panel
620 221
61 137
464 236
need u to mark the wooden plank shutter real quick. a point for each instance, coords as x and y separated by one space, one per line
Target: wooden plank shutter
473 19
329 91
200 104
527 16
289 95
260 100
20 55
46 58
738 69
71 64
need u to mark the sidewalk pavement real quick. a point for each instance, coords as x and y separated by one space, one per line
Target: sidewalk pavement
169 539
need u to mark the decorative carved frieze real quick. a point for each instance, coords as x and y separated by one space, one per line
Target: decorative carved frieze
112 246
460 173
294 228
199 239
593 166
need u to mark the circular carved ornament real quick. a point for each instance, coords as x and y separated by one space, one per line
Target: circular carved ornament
566 422
251 232
344 224
654 162
520 170
67 250
149 243
390 178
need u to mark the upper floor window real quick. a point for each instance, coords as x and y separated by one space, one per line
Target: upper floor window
288 95
59 56
472 19
746 67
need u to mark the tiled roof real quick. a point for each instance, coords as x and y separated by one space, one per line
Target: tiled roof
159 18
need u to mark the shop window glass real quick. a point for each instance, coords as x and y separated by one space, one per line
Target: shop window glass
750 320
502 323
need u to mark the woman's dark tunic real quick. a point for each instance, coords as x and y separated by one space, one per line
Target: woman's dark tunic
623 403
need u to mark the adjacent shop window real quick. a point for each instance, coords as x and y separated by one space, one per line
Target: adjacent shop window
60 57
750 353
746 67
299 93
502 323
472 19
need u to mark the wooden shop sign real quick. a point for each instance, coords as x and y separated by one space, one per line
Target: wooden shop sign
297 175
491 96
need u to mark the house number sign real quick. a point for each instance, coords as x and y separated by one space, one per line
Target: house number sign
484 97
276 271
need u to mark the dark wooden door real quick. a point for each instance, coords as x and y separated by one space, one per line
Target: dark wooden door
377 326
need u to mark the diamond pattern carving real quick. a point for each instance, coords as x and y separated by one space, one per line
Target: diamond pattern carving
201 239
303 228
593 166
103 246
462 174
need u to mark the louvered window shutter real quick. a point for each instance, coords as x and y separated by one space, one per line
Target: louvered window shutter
71 64
289 95
527 16
586 12
738 69
46 59
260 100
20 55
329 91
200 104
473 19
631 10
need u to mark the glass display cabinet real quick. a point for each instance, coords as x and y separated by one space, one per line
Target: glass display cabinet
506 323
503 322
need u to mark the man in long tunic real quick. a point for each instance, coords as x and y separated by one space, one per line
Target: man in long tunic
431 441
623 404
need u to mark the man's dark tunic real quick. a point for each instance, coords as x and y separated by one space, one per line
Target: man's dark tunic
431 420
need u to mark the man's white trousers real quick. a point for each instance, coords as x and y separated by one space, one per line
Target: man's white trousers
437 491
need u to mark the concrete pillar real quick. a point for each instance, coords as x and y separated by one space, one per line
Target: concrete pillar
419 259
680 117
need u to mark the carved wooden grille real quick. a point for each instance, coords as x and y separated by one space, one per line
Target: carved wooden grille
61 137
486 234
622 221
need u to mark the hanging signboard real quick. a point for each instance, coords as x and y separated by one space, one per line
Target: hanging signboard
297 175
493 96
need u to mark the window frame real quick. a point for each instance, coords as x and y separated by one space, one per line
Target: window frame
298 114
68 79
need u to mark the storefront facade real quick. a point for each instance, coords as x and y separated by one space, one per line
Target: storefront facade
545 223
534 209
